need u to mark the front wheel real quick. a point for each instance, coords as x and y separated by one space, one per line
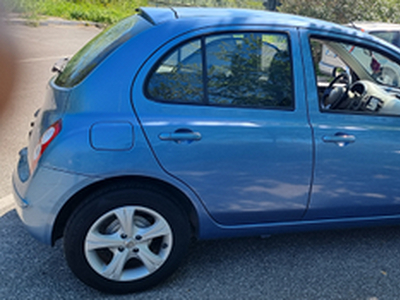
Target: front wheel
126 239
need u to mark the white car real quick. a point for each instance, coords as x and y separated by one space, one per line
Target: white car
383 69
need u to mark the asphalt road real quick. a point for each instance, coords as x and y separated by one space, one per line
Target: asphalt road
352 264
38 48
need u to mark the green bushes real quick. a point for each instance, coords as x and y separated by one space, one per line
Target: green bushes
102 11
110 11
345 11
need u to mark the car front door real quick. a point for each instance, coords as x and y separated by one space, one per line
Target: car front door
225 114
357 152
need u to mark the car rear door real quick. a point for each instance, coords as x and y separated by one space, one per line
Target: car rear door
224 112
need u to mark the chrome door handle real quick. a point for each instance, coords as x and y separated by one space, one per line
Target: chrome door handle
341 139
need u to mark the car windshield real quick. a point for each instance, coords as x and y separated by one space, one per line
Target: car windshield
392 37
379 67
83 62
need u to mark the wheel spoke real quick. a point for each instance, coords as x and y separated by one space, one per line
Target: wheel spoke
159 228
150 260
115 268
125 218
95 240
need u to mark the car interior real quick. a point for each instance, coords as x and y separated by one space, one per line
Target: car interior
361 80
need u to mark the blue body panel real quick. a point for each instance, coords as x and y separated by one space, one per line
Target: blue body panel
271 149
250 172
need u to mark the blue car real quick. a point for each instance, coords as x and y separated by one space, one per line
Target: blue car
194 123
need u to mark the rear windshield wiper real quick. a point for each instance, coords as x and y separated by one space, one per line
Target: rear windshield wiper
60 65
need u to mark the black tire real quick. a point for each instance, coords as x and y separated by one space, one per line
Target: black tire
105 254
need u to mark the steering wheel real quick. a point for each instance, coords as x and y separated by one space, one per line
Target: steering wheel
335 95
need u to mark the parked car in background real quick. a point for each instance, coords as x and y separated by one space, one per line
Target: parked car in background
386 31
199 123
388 72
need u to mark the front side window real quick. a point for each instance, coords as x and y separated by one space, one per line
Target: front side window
355 78
233 69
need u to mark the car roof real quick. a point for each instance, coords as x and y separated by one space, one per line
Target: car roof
227 16
161 15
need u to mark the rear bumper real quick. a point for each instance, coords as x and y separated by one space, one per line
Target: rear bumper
41 197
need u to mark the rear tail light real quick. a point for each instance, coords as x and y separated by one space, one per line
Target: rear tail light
44 141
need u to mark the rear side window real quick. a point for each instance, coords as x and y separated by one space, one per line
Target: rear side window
233 69
83 62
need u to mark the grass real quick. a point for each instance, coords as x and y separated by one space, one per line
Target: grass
101 11
105 11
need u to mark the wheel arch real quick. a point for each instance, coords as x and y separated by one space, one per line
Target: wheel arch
167 189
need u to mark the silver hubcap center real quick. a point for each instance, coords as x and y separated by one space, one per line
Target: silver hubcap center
129 244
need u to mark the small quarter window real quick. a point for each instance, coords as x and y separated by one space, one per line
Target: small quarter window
178 78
